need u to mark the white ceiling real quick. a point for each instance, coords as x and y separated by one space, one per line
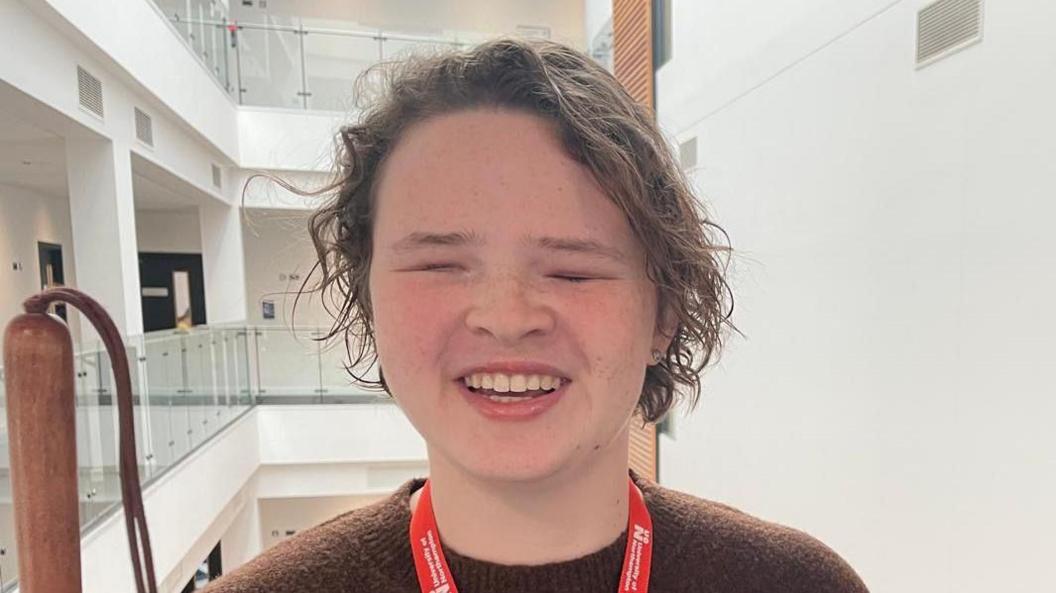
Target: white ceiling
31 157
35 159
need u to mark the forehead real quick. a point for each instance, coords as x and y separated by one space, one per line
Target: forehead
492 169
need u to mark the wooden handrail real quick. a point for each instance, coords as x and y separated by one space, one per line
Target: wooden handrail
38 360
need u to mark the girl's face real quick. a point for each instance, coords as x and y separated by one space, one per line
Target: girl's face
483 225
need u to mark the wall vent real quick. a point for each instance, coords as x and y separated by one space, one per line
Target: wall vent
947 26
216 176
687 154
90 91
144 127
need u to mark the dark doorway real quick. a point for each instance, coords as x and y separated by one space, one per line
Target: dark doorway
168 281
50 257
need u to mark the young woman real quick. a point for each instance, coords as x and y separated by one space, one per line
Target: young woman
513 241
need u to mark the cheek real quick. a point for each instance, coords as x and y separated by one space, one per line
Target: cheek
615 329
410 325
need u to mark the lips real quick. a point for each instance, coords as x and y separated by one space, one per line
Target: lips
523 408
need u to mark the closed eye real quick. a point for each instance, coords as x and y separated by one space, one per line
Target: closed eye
436 267
573 279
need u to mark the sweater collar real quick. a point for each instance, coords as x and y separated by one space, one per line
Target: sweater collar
600 568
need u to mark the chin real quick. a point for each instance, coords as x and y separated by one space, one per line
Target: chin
516 466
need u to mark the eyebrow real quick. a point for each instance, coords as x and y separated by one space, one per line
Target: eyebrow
419 240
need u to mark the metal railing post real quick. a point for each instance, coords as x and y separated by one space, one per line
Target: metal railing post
305 93
238 63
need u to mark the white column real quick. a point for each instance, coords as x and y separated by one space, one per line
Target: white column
103 223
223 263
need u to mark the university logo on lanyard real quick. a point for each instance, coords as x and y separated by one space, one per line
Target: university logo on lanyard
434 576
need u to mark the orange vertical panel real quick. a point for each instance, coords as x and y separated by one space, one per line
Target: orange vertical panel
632 34
632 39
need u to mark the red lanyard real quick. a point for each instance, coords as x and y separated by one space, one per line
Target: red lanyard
434 576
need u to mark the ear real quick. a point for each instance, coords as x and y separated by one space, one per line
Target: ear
666 325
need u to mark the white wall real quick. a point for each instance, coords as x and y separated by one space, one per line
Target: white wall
28 217
325 434
186 143
287 140
137 43
284 517
241 542
263 189
168 231
894 278
728 48
279 256
124 55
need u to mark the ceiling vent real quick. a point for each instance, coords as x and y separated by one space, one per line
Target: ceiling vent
216 176
947 26
144 127
687 154
90 91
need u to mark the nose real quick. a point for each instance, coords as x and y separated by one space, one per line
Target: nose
510 310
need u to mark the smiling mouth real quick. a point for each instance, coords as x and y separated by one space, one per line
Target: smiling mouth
503 388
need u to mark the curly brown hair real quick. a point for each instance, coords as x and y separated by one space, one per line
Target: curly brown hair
600 126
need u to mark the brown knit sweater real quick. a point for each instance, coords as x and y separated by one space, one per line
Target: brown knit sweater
699 546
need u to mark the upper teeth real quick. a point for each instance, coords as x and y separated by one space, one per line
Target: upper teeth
517 383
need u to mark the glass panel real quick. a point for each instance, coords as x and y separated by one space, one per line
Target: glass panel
332 62
179 409
335 379
200 393
215 43
137 359
214 402
244 355
164 381
9 560
97 480
203 27
270 63
176 13
289 364
132 353
173 8
227 67
198 37
236 370
87 364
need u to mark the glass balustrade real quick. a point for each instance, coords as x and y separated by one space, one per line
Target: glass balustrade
291 63
186 387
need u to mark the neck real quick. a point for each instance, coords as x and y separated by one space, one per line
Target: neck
561 517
